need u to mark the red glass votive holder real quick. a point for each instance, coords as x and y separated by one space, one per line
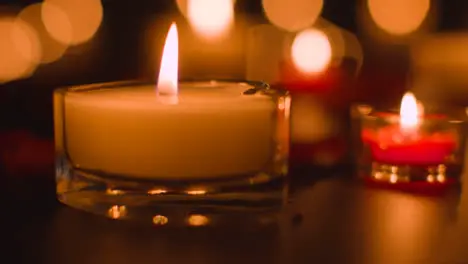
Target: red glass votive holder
319 112
428 158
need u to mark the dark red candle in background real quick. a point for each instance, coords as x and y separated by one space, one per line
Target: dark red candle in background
24 154
319 109
404 143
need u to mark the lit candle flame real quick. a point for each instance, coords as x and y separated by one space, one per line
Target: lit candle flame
168 73
410 110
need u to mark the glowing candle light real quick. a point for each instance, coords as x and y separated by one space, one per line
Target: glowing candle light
168 74
409 112
207 130
405 142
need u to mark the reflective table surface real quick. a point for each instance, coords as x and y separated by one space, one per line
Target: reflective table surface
329 218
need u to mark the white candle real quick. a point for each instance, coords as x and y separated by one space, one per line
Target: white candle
170 131
212 131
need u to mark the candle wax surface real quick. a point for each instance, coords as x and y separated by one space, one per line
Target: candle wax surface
212 131
394 146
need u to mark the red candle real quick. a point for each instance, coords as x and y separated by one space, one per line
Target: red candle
315 76
315 116
390 145
404 143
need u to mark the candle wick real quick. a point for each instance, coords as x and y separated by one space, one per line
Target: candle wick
166 87
168 98
166 92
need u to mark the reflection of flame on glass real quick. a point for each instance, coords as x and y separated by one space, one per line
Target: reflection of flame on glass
116 211
157 191
111 191
311 51
210 18
196 192
398 17
198 220
292 15
160 220
168 73
393 178
441 178
20 49
410 111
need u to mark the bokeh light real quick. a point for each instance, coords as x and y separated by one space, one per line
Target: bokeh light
311 51
398 17
52 50
182 5
210 18
292 15
72 21
20 49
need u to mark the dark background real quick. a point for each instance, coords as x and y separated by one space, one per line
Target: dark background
115 54
331 221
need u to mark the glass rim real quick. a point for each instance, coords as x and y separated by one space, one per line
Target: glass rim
256 86
445 113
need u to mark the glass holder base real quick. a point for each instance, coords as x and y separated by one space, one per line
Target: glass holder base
251 198
428 179
435 173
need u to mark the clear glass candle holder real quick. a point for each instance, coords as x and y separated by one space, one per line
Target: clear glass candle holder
125 151
429 156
